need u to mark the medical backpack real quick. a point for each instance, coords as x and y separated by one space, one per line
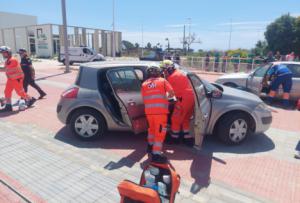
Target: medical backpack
159 183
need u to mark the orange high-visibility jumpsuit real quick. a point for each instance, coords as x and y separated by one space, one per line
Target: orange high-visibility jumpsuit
15 77
184 106
154 92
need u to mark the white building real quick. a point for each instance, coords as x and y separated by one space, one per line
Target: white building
22 31
9 20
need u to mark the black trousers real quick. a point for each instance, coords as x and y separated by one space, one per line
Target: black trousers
31 82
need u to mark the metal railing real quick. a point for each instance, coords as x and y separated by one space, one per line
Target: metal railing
225 65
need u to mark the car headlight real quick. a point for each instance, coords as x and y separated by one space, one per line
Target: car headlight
262 107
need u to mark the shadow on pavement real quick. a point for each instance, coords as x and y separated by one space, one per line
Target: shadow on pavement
50 76
7 114
201 161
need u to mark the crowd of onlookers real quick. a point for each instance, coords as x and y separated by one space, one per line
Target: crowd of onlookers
234 62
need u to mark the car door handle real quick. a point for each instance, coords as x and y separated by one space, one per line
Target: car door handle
205 116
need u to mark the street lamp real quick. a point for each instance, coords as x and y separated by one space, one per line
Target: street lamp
65 33
167 39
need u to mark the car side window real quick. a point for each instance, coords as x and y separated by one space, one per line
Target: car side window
124 80
295 68
198 85
261 72
139 74
86 51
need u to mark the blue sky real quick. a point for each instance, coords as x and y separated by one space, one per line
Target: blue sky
165 18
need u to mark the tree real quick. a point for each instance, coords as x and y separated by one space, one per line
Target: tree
281 34
149 46
127 45
136 45
297 32
189 40
261 48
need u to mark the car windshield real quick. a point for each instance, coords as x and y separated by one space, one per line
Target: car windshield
261 71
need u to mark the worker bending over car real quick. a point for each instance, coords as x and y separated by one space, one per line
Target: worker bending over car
184 106
156 93
279 75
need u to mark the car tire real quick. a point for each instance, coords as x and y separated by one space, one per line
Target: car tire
87 124
233 128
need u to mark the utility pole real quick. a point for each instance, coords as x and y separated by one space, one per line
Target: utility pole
189 22
142 40
113 33
167 39
184 41
65 33
230 32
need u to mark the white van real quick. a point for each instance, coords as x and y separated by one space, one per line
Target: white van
80 55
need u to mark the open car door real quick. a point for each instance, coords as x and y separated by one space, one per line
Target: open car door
127 89
202 109
256 79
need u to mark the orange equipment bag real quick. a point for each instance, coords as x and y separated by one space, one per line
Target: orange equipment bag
165 175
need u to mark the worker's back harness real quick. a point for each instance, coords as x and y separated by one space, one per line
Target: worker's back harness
159 183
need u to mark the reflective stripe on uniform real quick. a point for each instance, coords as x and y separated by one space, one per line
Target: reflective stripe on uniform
187 136
155 96
157 144
150 136
164 129
147 106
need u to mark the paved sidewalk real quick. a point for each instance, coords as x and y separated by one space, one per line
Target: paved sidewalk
51 177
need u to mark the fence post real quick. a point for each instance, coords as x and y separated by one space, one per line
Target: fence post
239 64
202 61
192 62
213 68
252 64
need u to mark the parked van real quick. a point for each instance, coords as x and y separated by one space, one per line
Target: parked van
80 55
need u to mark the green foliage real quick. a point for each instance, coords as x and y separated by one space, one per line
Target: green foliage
149 46
281 35
261 48
243 53
127 45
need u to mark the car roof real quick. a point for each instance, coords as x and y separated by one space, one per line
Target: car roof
113 64
286 62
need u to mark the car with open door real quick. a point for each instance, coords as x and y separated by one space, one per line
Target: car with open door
107 96
252 82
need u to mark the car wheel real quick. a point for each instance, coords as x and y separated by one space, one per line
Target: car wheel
87 124
230 84
233 128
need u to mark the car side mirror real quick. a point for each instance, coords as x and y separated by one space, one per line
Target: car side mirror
216 94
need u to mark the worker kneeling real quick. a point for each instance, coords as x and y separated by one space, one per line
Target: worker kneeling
15 77
157 93
184 106
282 76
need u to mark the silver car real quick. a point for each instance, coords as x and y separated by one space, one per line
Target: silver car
106 96
252 82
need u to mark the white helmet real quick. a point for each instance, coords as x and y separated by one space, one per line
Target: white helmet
5 49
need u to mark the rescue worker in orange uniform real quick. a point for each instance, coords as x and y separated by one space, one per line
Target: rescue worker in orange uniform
156 93
184 107
15 77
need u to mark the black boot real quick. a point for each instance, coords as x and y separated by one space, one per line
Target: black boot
189 142
159 158
31 102
42 95
7 108
149 148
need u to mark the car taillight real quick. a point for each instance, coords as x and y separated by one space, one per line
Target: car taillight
70 93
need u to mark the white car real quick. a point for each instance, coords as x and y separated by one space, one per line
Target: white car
80 55
252 82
